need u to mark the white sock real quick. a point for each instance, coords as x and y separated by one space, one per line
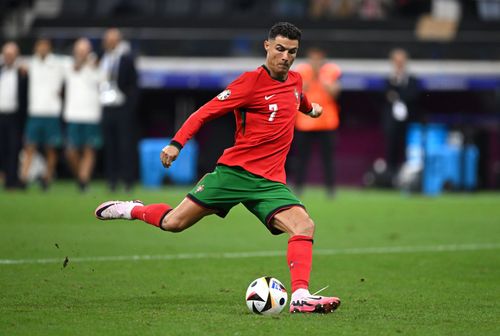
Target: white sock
300 293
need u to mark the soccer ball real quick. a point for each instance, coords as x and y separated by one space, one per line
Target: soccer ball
266 296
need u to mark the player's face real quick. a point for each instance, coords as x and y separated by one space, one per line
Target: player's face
281 52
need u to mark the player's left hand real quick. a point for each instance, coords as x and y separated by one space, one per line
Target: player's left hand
317 110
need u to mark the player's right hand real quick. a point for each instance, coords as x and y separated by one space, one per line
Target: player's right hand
168 155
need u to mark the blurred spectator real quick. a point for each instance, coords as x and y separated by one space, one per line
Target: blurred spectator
365 9
13 90
119 94
374 9
43 127
401 96
82 112
489 10
333 8
319 8
290 8
446 10
321 85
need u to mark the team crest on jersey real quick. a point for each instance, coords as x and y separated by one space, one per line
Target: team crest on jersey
224 95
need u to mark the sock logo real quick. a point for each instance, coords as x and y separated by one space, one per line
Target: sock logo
291 264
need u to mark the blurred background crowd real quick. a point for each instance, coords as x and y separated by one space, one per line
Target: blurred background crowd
412 89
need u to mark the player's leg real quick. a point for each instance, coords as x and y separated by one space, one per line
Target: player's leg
186 214
160 215
300 227
206 198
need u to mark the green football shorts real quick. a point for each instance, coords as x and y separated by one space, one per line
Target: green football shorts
227 186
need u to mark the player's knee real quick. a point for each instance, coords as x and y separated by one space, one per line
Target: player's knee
173 224
304 228
307 227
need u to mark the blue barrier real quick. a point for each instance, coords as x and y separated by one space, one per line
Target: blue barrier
152 172
414 145
452 164
471 158
435 167
443 163
432 181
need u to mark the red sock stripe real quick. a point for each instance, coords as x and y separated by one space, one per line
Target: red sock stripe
300 238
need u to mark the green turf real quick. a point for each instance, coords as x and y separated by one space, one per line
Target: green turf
413 293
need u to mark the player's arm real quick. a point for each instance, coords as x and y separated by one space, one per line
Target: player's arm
228 100
313 110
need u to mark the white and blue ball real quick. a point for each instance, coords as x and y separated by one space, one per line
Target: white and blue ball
266 296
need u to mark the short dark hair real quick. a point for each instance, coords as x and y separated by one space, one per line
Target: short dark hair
285 29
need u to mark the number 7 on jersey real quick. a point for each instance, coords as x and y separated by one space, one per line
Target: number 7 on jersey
274 109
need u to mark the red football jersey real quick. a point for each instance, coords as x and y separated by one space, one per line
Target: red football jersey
265 110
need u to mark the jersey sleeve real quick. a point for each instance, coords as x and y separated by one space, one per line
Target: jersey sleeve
233 97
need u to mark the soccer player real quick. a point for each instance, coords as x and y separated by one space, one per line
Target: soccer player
265 103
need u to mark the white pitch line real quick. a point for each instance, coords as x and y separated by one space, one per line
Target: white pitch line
260 254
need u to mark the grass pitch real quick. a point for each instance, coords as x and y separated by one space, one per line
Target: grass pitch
401 265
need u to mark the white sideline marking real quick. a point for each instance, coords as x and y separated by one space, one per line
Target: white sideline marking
240 255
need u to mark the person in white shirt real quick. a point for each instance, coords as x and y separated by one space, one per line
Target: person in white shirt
82 112
43 128
13 90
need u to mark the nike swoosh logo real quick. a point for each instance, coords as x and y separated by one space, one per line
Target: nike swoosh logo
269 97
